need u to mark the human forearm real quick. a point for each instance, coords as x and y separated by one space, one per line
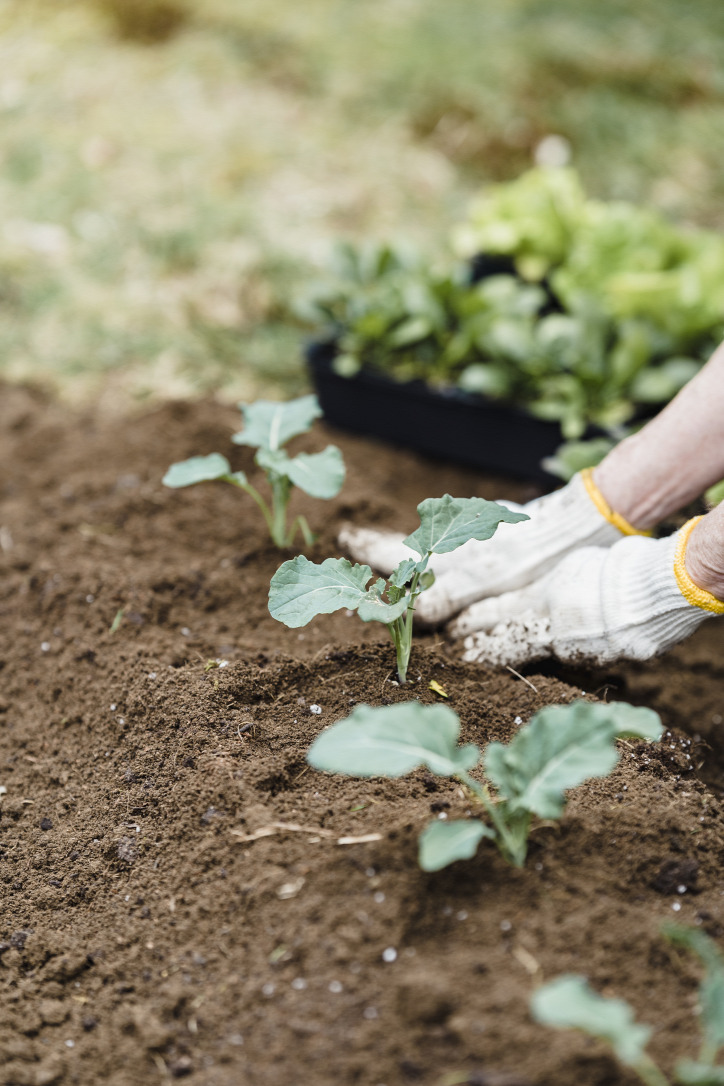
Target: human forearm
675 457
705 553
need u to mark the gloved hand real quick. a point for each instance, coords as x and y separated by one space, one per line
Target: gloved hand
575 516
630 601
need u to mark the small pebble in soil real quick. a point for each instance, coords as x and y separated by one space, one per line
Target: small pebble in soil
676 906
299 984
70 1044
268 990
505 925
185 631
442 815
181 1067
45 646
370 872
518 720
462 915
89 1023
89 598
389 954
46 824
316 709
378 898
335 987
236 1039
152 674
370 1013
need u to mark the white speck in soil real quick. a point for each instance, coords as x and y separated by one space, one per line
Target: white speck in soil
89 598
378 898
442 816
335 987
236 1039
462 915
113 708
389 954
370 1013
121 720
70 1044
370 872
316 709
518 720
185 631
681 889
152 674
676 906
505 925
45 646
300 637
447 910
299 984
268 990
539 867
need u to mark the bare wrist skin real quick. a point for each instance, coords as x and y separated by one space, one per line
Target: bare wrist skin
704 558
674 458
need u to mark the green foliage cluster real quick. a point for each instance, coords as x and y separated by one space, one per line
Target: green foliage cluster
569 1003
604 307
562 746
268 426
301 589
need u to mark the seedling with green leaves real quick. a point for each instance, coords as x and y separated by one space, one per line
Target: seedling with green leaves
267 427
569 1003
301 589
562 746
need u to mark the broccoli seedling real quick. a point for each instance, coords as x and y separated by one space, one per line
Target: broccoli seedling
562 746
267 427
569 1003
301 589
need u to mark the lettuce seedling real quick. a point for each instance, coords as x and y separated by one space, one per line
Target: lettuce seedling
569 1003
301 589
562 746
267 427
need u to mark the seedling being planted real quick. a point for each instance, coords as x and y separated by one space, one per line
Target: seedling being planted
569 1003
301 589
562 746
267 427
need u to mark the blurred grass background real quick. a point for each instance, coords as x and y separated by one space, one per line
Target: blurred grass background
172 171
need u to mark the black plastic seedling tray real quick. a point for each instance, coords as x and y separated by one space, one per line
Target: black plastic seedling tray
454 425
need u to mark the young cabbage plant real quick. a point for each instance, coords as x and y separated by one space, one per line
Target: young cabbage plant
301 589
562 746
569 1003
267 427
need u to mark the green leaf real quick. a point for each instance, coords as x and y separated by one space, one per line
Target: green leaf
711 990
446 523
569 1003
318 474
691 1073
392 740
300 589
374 609
269 425
562 746
199 469
442 843
403 573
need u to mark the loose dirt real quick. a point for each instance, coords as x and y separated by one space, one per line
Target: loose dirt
160 918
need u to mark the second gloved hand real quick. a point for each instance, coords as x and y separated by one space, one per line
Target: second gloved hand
630 601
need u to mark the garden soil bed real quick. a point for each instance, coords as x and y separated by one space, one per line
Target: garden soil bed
146 937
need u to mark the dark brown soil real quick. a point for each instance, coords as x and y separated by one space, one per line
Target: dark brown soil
144 939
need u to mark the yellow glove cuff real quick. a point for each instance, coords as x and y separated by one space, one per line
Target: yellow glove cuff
691 592
604 508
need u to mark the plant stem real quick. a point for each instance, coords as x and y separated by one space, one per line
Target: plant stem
509 843
256 496
649 1073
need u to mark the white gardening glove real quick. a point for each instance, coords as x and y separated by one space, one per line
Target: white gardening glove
630 601
575 516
